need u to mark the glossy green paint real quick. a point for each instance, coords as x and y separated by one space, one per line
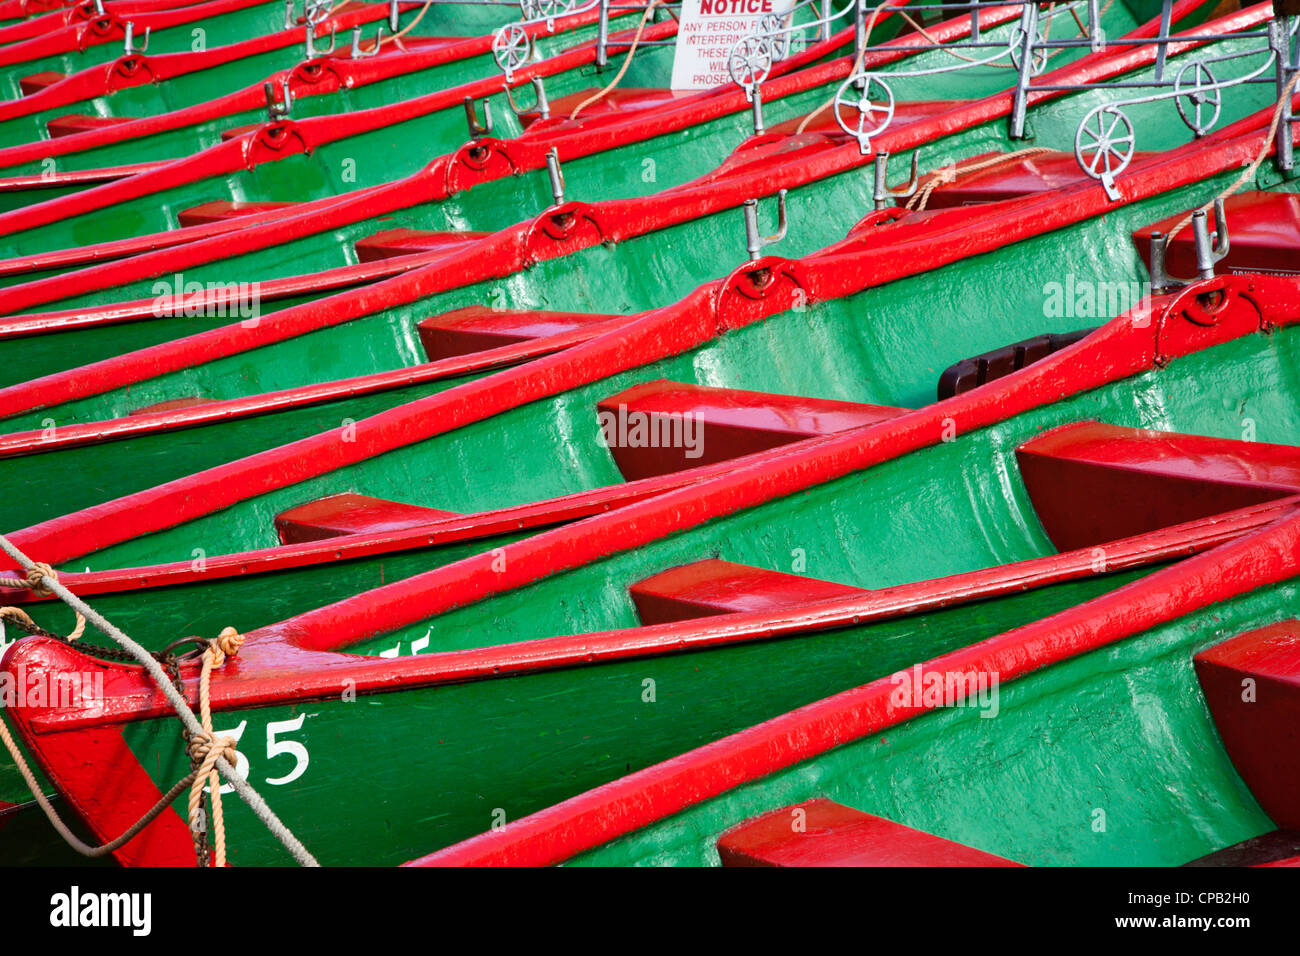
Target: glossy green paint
218 81
1122 731
474 753
821 213
518 746
256 20
919 326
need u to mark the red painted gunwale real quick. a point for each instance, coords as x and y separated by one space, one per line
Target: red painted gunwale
635 216
324 75
140 69
594 818
53 16
274 671
109 28
859 262
432 183
293 660
276 140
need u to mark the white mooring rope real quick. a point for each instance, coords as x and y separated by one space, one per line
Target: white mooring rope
178 704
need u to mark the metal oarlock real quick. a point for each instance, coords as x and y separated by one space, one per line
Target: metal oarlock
1211 247
128 41
278 110
477 129
356 52
754 243
393 16
881 194
556 175
542 106
312 50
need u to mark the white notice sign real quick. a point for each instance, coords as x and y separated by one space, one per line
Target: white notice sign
708 30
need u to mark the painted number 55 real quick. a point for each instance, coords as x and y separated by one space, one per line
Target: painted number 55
275 747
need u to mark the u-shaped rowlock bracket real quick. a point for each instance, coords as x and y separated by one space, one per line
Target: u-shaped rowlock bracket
542 106
128 41
276 110
1211 247
359 54
312 51
754 243
881 194
477 129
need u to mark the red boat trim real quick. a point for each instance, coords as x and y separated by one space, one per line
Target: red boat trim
316 76
108 28
138 69
704 192
268 657
640 799
680 327
56 15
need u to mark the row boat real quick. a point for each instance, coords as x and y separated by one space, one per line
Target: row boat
498 514
545 714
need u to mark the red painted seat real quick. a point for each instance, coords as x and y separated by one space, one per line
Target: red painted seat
170 405
75 123
478 328
661 427
712 587
823 833
614 104
350 513
1252 685
39 81
904 112
1092 483
1023 176
1263 233
405 242
1275 848
220 210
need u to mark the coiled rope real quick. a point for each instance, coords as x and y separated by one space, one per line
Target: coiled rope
211 752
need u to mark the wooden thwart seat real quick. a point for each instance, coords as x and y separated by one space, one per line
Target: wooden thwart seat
662 427
75 123
1023 176
36 82
1252 685
479 328
712 587
406 242
824 833
1093 483
1275 848
220 210
350 513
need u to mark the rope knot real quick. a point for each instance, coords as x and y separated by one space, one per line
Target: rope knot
35 575
226 644
205 748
